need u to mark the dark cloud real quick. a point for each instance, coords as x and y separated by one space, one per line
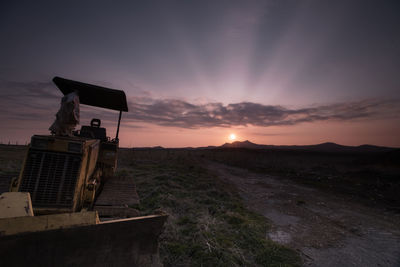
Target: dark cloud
22 90
40 101
27 101
178 113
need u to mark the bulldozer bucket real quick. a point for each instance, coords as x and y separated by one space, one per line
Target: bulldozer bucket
124 242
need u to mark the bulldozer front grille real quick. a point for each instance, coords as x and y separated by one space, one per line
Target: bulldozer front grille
50 178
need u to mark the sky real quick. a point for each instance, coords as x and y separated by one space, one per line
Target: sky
273 72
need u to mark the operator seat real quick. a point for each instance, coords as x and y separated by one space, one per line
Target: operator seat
94 131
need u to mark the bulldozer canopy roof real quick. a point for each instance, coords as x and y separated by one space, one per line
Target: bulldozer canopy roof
93 95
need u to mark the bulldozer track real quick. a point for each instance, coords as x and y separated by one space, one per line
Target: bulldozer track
118 198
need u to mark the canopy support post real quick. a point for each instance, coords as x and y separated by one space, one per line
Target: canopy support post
119 121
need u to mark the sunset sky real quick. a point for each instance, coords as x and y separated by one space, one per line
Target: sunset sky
195 72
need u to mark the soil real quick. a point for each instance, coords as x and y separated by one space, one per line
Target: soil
328 229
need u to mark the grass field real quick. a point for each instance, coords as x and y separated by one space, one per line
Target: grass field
371 177
11 158
208 224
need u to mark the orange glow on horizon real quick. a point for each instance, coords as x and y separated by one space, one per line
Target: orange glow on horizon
350 133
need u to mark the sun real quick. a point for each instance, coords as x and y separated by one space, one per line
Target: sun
232 137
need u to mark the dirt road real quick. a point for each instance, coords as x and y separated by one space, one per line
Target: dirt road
328 230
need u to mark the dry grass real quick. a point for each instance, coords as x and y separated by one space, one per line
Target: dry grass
11 158
208 223
371 177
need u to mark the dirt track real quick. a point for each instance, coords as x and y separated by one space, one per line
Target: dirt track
328 230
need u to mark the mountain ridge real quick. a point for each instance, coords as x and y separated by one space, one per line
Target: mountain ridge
323 147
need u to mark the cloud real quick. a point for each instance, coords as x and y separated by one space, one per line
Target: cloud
271 134
40 101
179 113
13 89
27 101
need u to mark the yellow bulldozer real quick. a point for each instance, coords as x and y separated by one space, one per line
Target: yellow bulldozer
67 208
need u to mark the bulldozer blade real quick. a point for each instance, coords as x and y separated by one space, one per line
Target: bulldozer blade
124 242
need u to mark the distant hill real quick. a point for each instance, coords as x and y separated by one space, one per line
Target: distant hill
149 148
244 144
324 147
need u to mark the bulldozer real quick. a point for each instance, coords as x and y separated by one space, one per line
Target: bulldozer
67 208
